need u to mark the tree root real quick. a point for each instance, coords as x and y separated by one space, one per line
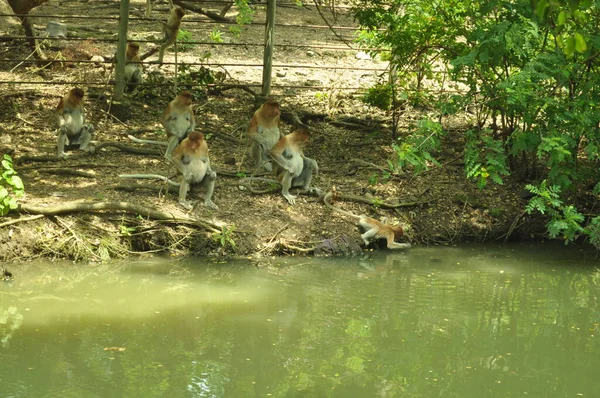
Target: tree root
376 202
200 10
148 212
128 149
21 219
71 172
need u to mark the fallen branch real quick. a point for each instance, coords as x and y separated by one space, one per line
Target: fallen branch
72 172
144 141
224 136
149 53
129 149
199 10
46 158
151 177
132 187
222 88
148 212
21 219
376 202
274 185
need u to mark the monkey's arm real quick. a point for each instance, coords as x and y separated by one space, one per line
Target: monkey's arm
192 122
315 165
396 245
277 154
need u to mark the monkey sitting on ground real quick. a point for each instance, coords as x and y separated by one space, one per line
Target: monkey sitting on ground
292 168
264 133
374 229
192 161
133 66
178 120
72 129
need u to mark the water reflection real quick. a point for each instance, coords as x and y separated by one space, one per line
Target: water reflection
491 321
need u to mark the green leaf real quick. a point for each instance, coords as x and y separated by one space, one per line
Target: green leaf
569 48
541 9
580 44
12 203
562 18
3 192
17 183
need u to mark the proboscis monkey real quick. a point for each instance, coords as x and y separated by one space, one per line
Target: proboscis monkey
292 168
72 128
192 161
133 66
264 133
374 229
178 120
170 29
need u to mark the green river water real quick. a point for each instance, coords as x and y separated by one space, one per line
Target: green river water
473 321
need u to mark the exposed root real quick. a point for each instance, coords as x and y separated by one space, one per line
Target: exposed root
129 149
21 219
74 207
377 202
71 172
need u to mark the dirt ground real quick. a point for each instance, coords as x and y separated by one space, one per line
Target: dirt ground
352 156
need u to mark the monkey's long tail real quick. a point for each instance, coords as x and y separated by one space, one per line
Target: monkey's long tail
151 177
327 200
140 141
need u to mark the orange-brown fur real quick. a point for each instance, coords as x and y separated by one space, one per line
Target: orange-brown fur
375 229
178 120
192 160
132 53
263 133
72 128
194 144
292 168
73 99
170 29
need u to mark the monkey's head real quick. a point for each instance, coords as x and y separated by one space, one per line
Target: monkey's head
301 136
185 98
76 95
133 48
179 11
398 232
271 108
195 139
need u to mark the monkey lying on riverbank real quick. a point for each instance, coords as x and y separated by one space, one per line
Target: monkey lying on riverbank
374 229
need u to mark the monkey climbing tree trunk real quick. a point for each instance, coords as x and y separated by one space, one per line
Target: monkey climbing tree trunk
121 48
269 42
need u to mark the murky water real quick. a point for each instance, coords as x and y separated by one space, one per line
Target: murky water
486 321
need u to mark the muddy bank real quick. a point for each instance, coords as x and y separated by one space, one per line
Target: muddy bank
351 141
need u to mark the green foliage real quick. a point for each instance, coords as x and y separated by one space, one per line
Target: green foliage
216 36
11 186
527 70
124 230
379 96
225 237
183 39
593 230
416 150
565 220
244 17
484 158
192 76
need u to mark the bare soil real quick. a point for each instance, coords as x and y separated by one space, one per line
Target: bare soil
449 209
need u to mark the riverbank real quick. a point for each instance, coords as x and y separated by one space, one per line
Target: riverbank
351 141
